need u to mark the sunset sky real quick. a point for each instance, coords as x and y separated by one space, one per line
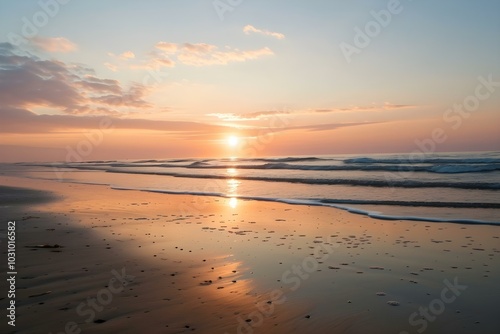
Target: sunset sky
160 79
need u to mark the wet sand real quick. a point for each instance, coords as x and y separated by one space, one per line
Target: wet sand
99 260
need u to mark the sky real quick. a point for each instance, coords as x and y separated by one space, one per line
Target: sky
122 79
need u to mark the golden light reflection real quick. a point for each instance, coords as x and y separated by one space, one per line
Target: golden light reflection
233 202
232 187
226 274
232 171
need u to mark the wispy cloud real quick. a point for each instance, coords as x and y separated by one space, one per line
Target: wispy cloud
199 54
167 54
329 126
248 116
168 48
385 106
123 56
54 44
111 67
196 57
248 29
119 60
127 55
17 120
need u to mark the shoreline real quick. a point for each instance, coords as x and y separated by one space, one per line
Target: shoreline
177 247
370 214
457 211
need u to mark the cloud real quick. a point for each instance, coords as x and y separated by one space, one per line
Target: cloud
54 44
252 116
121 59
248 29
156 62
17 120
169 48
28 81
99 85
206 55
329 126
127 55
110 66
131 97
168 54
164 62
198 48
389 106
261 114
123 56
385 106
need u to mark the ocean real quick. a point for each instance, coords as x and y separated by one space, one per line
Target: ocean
439 187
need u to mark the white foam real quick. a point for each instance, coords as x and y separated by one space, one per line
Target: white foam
372 214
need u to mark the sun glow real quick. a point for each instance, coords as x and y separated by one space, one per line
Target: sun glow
233 141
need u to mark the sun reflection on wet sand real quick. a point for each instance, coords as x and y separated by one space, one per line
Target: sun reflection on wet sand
232 188
233 202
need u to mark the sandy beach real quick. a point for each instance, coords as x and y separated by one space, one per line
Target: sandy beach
99 260
249 167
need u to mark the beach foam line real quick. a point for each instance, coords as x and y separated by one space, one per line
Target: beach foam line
280 165
335 203
367 160
371 214
352 182
471 205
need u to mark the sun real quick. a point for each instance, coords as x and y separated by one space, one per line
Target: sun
233 141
